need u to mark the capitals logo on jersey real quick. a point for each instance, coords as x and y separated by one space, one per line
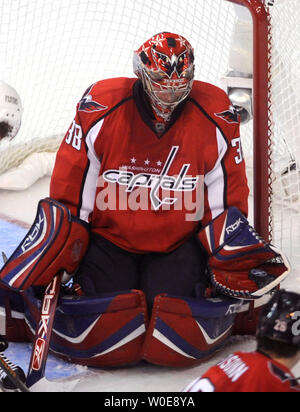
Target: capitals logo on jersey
87 104
155 182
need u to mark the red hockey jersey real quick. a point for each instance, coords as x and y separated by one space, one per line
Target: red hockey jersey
145 191
246 372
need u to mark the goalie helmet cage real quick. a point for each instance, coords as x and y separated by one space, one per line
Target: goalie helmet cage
53 51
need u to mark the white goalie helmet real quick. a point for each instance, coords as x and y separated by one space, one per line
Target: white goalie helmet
10 110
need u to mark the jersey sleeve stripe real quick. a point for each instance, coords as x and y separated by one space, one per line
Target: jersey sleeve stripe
90 183
215 180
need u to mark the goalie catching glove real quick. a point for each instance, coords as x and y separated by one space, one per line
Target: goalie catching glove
57 241
241 264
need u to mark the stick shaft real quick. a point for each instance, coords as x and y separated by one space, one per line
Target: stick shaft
42 339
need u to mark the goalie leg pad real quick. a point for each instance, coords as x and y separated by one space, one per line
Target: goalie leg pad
56 242
100 331
241 263
185 331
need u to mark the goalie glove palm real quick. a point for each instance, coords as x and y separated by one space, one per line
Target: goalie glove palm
241 263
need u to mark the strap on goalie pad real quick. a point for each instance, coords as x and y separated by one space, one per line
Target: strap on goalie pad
248 315
241 263
56 241
185 331
100 331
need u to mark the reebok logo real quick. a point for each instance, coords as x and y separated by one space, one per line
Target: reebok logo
34 234
230 229
37 360
38 354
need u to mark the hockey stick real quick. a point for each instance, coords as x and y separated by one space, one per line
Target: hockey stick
36 373
40 349
12 376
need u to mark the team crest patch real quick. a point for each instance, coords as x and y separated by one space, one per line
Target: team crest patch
88 104
230 116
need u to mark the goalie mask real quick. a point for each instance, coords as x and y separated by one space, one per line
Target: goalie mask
165 65
10 111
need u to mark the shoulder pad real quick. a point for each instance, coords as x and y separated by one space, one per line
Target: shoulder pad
215 102
101 97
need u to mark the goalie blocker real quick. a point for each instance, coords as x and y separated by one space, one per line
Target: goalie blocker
57 241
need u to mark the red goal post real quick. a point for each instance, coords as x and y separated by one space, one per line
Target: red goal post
262 190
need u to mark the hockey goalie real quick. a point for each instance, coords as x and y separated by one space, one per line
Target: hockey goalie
148 216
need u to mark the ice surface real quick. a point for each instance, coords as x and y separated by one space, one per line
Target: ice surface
142 377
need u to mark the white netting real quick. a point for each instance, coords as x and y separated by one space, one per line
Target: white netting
12 155
52 51
285 109
284 116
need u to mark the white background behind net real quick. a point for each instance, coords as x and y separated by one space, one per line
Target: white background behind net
52 51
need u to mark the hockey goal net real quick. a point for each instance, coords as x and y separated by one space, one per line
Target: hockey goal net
52 51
